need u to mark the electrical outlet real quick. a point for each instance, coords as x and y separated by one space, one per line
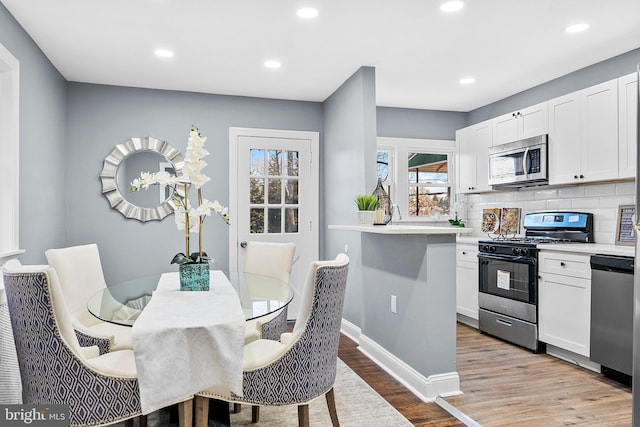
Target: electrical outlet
394 304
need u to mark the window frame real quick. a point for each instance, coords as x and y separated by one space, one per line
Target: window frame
399 149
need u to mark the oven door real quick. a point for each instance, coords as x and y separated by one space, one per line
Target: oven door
510 277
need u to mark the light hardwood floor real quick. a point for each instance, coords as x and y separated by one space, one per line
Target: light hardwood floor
505 385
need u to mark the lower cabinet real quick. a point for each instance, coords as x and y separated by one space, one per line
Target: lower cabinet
564 301
467 280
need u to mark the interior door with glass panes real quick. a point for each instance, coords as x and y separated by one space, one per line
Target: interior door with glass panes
276 196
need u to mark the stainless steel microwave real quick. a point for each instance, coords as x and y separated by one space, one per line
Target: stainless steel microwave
520 163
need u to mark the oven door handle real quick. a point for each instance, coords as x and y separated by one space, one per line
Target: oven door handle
508 258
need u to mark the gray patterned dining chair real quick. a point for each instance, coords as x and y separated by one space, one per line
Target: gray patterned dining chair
55 369
80 273
302 365
273 260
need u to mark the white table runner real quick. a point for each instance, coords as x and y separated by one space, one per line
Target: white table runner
185 342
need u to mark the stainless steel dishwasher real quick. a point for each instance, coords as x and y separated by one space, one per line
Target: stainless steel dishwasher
612 314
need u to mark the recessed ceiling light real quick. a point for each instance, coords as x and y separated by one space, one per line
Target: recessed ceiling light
577 28
467 80
164 53
307 13
272 64
452 6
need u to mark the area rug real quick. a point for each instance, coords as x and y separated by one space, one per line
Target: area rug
357 405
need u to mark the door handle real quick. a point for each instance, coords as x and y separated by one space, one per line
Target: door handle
504 322
243 244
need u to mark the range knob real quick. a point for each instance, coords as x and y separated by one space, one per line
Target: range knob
524 252
492 249
515 251
485 248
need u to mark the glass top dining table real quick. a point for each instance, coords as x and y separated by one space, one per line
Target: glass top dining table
122 303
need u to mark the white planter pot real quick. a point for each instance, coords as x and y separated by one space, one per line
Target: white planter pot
367 217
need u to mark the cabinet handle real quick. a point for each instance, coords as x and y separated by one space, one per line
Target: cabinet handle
562 264
575 176
464 253
581 176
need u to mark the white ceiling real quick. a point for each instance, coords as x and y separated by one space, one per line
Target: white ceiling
419 52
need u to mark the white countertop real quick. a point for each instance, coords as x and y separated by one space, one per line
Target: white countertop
402 229
590 248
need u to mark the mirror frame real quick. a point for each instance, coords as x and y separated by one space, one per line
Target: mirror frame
109 170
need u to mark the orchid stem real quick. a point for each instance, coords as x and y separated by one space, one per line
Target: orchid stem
186 218
200 225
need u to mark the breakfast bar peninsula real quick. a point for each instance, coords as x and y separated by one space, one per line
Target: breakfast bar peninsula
408 323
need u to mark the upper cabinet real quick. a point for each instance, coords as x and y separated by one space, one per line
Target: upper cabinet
583 135
524 123
472 152
627 130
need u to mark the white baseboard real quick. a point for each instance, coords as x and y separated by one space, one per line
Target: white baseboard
350 330
425 388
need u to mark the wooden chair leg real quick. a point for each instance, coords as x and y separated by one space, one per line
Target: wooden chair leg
128 423
142 420
331 403
185 413
255 414
303 415
202 411
237 407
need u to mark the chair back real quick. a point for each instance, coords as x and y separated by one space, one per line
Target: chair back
52 367
80 272
307 368
270 259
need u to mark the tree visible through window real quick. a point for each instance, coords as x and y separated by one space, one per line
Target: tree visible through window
429 189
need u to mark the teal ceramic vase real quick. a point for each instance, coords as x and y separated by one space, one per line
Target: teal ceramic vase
194 277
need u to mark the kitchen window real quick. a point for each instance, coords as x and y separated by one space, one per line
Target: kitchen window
418 176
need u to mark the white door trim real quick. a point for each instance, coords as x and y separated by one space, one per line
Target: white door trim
234 134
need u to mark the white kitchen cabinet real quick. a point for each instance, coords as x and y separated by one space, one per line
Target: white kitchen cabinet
524 123
472 152
564 300
583 135
627 130
467 280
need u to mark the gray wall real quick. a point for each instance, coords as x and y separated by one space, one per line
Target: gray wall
347 169
43 121
421 124
101 117
597 73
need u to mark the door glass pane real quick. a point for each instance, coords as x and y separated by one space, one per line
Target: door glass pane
291 163
275 220
256 191
291 191
256 220
291 220
275 162
275 191
256 162
426 201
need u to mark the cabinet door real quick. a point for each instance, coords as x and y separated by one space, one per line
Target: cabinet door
483 136
599 137
564 139
467 280
472 154
466 161
627 130
533 121
505 128
564 312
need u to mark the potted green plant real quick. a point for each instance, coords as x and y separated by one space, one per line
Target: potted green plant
367 205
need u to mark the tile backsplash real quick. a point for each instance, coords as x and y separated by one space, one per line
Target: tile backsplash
601 200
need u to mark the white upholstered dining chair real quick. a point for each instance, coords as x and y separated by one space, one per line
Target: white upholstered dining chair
273 260
55 369
302 365
80 273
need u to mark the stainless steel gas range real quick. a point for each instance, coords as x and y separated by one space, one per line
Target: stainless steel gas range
508 274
